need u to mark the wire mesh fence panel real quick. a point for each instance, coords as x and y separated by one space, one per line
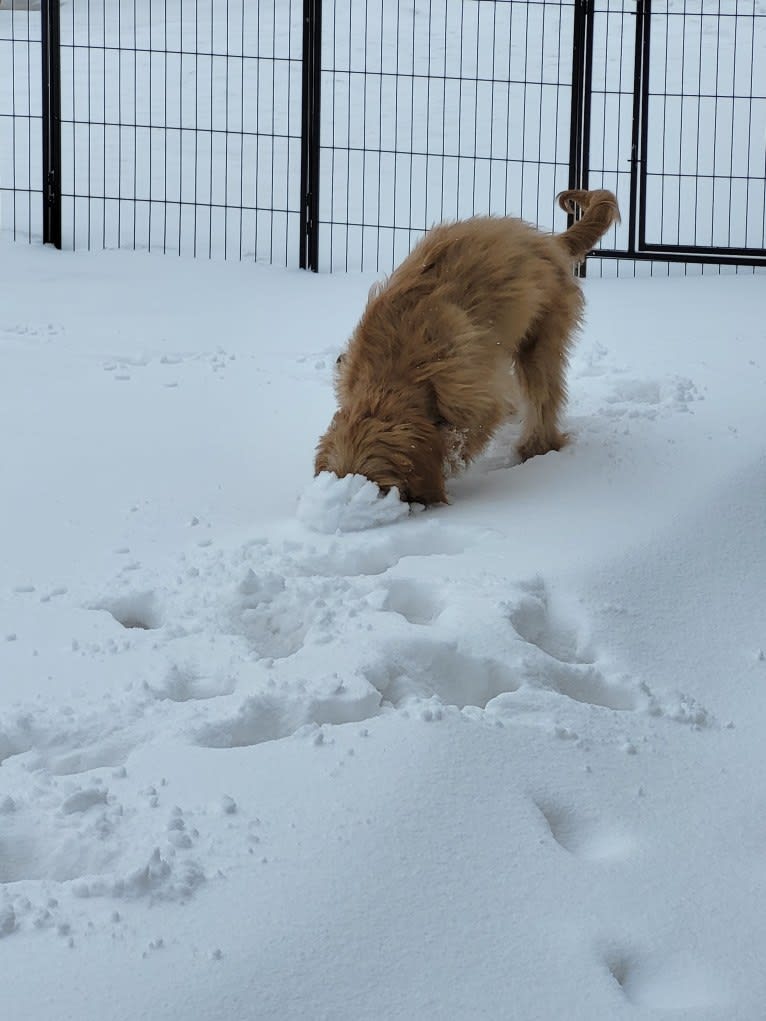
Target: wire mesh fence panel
181 126
704 178
334 134
439 109
21 174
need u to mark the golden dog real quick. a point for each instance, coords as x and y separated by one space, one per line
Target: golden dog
481 312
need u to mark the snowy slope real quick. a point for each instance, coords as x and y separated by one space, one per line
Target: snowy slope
499 759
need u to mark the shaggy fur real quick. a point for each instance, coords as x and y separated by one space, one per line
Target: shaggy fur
479 315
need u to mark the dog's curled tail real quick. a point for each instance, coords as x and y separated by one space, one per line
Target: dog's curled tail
600 211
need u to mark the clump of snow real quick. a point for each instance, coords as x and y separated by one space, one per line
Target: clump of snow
350 504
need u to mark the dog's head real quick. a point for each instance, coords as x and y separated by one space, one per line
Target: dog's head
408 455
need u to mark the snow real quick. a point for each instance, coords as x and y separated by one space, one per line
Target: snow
350 504
501 758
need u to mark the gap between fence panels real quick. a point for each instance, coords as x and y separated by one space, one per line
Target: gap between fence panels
332 135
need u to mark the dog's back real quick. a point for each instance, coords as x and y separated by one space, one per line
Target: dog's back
499 272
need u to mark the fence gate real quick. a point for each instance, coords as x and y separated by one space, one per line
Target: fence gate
674 121
703 138
332 133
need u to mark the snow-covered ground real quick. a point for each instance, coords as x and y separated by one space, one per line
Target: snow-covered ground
499 759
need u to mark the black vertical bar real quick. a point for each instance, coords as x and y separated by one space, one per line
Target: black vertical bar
578 84
50 33
582 85
587 94
644 23
636 222
312 77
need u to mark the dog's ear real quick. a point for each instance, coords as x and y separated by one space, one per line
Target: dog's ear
326 454
339 376
423 468
426 487
321 463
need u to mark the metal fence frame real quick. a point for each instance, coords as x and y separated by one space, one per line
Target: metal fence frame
586 19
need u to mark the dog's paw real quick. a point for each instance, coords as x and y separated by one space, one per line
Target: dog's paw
536 445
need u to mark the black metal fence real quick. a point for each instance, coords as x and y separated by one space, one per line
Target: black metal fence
703 130
331 135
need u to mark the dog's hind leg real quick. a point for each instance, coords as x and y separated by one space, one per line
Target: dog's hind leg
540 366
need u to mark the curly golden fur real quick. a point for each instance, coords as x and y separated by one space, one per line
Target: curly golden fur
481 313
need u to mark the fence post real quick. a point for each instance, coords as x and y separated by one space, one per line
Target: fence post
638 141
582 83
312 78
51 121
